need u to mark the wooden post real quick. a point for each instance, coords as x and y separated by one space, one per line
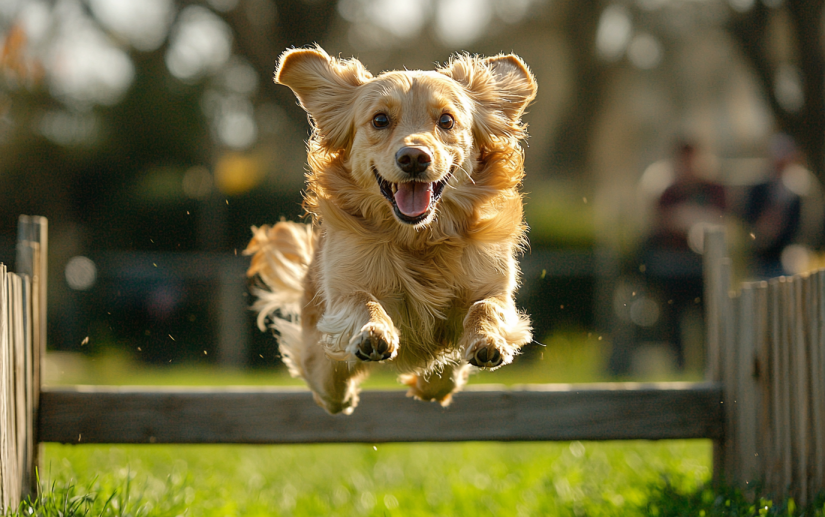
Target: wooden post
715 295
32 252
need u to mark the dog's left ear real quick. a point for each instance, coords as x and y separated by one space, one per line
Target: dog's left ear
502 87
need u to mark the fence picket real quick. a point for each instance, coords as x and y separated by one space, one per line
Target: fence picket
763 428
746 388
818 385
728 312
799 395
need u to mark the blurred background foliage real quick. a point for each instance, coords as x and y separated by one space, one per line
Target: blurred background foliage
150 134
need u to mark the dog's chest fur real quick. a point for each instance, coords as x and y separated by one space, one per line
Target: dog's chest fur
425 290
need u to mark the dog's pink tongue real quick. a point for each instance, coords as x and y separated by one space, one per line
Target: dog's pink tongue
413 198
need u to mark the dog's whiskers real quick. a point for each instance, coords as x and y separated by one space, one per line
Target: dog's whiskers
467 173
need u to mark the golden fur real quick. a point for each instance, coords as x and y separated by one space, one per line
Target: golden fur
367 281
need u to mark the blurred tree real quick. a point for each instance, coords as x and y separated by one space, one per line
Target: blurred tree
783 42
571 147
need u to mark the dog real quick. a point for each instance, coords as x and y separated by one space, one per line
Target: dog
413 190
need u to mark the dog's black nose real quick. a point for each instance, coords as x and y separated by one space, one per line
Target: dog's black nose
413 160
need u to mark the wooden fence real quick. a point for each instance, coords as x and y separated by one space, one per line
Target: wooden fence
759 435
22 338
766 342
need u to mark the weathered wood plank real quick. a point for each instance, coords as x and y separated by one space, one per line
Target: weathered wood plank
549 412
818 378
800 395
747 402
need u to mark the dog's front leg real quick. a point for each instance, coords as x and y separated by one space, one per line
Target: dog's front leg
494 331
357 326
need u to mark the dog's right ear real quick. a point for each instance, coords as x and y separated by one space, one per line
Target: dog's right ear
324 87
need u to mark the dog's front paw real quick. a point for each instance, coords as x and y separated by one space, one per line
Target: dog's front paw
487 352
374 343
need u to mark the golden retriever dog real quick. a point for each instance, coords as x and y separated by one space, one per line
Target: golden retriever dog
416 214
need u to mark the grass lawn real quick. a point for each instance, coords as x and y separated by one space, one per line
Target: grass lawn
386 479
463 479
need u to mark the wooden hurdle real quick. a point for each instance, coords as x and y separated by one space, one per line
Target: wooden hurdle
762 404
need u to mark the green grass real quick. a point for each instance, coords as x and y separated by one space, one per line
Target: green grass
637 478
385 479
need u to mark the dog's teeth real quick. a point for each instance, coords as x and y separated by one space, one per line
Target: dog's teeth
394 188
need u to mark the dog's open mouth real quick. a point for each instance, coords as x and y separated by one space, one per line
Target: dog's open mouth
412 201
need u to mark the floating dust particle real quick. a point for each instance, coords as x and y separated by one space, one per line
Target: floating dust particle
600 338
85 341
753 236
140 349
543 273
585 200
261 356
374 448
227 201
236 252
152 241
170 337
642 268
562 306
187 212
204 352
154 264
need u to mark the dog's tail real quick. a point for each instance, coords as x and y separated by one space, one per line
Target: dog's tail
280 259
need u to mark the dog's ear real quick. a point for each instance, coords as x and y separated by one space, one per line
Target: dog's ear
502 87
324 87
516 85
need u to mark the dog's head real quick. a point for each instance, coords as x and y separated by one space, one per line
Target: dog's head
409 137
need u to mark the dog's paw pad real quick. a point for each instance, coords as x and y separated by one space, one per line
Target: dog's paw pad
485 355
420 389
371 345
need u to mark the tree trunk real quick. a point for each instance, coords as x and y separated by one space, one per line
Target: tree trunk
807 125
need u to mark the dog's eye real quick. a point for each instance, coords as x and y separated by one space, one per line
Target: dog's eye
446 121
380 121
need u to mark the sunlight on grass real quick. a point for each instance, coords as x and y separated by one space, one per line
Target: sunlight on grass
386 479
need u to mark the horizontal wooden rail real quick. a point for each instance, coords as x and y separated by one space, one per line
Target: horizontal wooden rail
85 414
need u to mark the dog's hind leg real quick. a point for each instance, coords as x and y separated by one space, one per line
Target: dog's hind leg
334 384
437 386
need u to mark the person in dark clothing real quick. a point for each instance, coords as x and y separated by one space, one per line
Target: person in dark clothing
672 254
774 210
